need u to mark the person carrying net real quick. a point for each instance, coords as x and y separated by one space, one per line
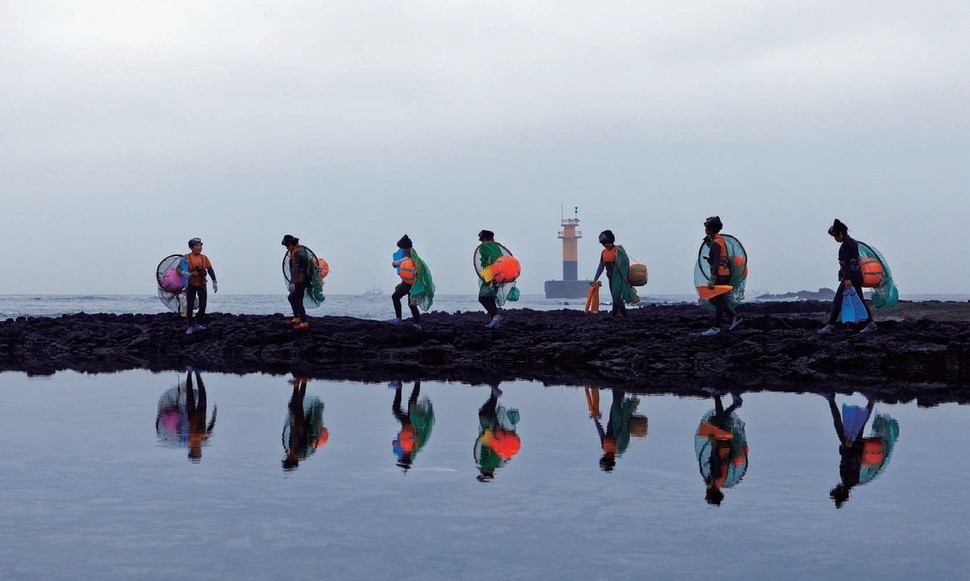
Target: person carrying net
850 276
197 266
416 283
299 280
720 274
615 261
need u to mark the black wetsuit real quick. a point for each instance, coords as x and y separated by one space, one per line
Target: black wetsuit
848 269
201 292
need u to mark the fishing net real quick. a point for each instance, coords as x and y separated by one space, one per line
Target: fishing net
421 417
171 285
885 431
172 422
886 295
484 256
316 432
737 459
314 291
422 291
737 263
620 287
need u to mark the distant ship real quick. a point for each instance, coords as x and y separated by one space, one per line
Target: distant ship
373 292
569 287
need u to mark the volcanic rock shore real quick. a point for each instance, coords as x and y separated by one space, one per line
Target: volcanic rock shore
923 344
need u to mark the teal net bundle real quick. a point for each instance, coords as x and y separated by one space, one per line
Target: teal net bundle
314 291
737 263
886 295
620 287
485 256
885 432
171 285
737 458
422 291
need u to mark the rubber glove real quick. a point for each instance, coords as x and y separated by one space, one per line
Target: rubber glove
215 287
292 287
710 283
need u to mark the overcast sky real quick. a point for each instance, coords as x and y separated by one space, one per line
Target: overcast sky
127 128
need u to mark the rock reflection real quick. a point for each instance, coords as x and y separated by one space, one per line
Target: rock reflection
721 448
861 458
416 424
303 431
622 424
182 415
497 441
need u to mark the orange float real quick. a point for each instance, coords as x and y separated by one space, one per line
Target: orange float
408 271
322 267
871 272
638 275
506 269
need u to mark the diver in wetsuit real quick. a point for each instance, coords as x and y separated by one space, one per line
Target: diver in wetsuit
850 275
851 449
195 407
608 258
404 288
720 275
198 267
299 280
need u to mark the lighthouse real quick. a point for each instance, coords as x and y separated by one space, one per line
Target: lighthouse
570 287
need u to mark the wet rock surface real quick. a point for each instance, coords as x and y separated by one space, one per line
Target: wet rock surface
656 345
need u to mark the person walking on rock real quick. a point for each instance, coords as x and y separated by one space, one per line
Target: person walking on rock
850 276
720 275
615 261
198 266
416 283
299 279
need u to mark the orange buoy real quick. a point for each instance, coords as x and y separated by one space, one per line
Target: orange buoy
638 275
871 272
872 452
323 438
408 271
323 267
506 269
506 444
740 265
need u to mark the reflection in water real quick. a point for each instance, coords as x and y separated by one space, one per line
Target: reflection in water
416 424
861 459
497 441
621 425
181 419
721 448
304 431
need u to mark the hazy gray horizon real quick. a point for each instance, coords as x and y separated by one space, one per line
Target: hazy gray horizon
128 128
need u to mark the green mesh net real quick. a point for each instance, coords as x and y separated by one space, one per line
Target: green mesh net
314 292
886 430
620 288
737 460
421 417
484 256
422 291
737 262
886 295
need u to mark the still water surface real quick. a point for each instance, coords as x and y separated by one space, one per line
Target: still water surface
118 475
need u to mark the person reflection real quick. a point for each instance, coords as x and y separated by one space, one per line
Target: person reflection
182 415
623 423
721 448
416 424
861 459
303 431
497 441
